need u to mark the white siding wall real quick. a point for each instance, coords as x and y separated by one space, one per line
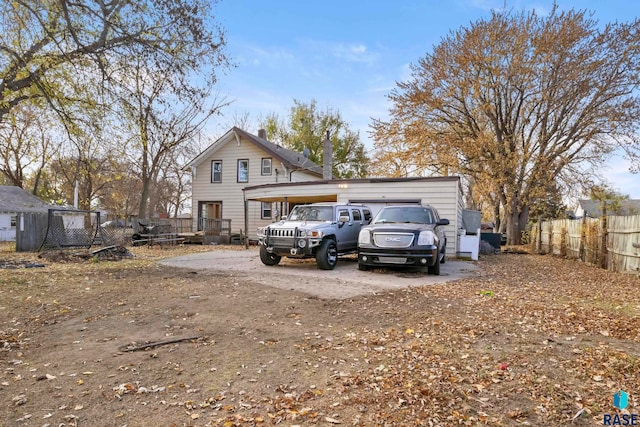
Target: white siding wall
7 234
443 195
229 191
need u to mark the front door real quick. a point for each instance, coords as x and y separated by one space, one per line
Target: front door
207 212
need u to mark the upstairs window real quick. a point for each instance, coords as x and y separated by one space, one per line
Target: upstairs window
243 170
266 166
216 171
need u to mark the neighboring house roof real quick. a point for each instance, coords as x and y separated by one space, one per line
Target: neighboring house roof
15 199
292 160
593 208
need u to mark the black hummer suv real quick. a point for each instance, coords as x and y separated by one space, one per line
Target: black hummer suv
406 235
320 230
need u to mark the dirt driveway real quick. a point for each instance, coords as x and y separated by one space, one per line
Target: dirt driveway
523 340
345 281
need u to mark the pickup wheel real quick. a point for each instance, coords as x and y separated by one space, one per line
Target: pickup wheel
327 255
268 258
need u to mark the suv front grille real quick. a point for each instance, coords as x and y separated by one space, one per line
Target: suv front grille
281 237
393 240
279 242
282 232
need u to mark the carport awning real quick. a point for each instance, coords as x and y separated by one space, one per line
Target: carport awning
295 198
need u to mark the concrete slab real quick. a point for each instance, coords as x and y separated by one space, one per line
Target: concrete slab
345 281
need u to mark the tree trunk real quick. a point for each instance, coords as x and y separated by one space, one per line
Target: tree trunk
496 218
144 198
517 221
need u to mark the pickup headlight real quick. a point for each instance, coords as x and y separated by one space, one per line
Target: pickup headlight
364 238
427 238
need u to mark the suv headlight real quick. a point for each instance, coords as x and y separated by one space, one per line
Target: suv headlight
427 238
261 232
364 238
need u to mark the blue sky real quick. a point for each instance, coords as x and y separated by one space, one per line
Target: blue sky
348 55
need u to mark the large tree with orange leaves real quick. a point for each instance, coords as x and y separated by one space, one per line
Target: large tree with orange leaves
517 103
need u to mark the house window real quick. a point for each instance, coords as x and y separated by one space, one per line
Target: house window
266 211
14 221
216 171
243 170
266 166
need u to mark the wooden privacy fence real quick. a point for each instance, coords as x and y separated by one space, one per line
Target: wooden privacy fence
611 242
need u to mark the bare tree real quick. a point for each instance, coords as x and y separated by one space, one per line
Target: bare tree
516 101
163 112
26 144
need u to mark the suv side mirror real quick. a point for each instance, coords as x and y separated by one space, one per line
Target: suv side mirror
443 222
343 218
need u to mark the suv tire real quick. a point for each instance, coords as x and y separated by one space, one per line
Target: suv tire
327 255
434 269
268 258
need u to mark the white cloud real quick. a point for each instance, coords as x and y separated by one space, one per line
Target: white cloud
616 170
349 52
354 53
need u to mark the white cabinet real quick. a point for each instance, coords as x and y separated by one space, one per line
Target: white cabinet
469 245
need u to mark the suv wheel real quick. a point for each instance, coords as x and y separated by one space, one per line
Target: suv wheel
363 267
327 255
268 258
435 268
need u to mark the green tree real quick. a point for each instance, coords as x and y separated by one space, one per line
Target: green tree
306 129
44 45
610 199
517 100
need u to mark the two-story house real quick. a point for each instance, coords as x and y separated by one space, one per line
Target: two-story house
238 160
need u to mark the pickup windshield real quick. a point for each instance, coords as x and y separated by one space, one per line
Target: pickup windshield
311 213
409 215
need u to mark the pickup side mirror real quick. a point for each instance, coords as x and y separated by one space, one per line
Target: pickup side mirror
443 221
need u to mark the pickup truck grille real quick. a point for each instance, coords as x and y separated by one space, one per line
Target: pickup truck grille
393 240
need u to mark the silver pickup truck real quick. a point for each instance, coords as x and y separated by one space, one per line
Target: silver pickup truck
320 230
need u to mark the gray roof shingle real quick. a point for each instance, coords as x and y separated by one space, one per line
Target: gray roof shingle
15 199
593 208
292 160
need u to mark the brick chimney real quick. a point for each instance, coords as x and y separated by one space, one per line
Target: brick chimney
327 157
262 133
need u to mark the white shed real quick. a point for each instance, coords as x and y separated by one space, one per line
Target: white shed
443 193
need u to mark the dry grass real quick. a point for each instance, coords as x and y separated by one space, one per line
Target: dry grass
533 340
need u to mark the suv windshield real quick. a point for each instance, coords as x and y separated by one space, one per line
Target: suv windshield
404 214
311 213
